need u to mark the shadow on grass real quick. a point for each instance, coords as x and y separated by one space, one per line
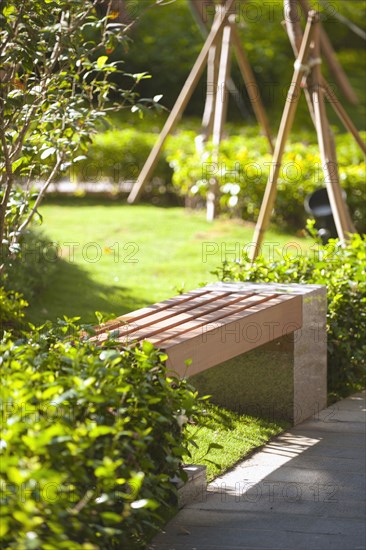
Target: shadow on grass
72 292
226 418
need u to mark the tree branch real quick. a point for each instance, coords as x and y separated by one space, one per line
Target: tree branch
9 184
40 195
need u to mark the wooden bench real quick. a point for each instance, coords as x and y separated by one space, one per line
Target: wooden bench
256 348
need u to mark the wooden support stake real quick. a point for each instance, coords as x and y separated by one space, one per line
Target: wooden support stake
222 96
211 92
198 7
180 104
295 35
340 212
330 57
330 94
250 82
219 119
342 114
287 119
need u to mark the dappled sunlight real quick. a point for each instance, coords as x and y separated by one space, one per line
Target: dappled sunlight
273 456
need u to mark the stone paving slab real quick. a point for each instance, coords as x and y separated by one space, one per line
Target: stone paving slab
311 462
304 490
290 535
241 539
327 437
317 503
305 532
334 424
355 402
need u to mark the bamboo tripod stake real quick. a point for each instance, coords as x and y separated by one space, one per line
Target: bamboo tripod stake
287 119
317 88
180 104
249 79
336 68
212 85
219 118
335 104
332 61
214 113
230 36
340 212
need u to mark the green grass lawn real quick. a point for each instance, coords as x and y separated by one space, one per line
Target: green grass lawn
116 257
227 437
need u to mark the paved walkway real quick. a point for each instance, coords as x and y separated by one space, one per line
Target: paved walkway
305 491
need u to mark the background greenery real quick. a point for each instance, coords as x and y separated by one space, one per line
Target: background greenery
166 42
241 170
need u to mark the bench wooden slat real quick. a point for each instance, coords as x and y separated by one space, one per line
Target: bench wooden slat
144 312
177 308
135 323
228 310
205 348
225 316
202 308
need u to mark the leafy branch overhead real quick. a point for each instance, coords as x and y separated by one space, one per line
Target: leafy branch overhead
58 62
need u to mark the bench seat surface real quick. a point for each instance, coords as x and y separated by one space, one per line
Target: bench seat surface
211 324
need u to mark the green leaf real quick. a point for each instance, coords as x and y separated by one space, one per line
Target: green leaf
214 446
101 61
17 163
15 93
48 152
141 76
109 354
8 10
101 430
144 503
15 476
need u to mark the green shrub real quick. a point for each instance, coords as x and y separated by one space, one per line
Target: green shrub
12 305
30 268
90 441
120 155
242 171
342 270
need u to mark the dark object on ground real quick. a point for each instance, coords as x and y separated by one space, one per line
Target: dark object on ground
317 205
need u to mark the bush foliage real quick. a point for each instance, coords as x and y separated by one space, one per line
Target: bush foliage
12 306
30 269
241 170
342 270
119 155
90 441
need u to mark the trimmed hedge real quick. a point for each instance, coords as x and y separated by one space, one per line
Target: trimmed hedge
241 170
91 439
342 270
119 155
